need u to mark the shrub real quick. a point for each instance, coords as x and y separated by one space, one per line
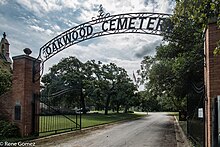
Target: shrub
6 81
8 129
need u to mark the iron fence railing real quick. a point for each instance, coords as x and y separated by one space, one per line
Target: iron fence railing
195 124
56 118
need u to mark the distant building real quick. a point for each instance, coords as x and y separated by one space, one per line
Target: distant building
5 60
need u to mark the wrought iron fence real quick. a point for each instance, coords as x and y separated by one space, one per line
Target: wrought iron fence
56 118
195 121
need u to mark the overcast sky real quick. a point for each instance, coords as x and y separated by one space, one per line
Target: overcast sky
32 23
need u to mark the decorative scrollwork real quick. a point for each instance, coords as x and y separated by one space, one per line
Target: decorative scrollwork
102 14
106 24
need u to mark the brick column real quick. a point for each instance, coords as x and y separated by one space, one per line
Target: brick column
23 91
212 77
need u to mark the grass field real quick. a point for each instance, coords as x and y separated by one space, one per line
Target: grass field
57 123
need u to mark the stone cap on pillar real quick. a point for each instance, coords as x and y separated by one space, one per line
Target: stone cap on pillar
26 57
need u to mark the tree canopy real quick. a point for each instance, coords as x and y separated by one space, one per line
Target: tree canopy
201 12
103 86
176 72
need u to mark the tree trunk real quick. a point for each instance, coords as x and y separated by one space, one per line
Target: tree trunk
108 99
117 108
107 104
126 109
83 105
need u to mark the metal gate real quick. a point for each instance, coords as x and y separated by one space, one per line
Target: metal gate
195 122
54 117
216 122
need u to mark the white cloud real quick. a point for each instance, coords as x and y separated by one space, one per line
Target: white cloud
37 28
39 6
70 3
68 22
49 32
44 19
164 6
42 30
130 65
56 27
3 2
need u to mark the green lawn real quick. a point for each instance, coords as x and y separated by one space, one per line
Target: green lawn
174 114
58 122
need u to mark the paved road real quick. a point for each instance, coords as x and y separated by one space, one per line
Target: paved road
155 130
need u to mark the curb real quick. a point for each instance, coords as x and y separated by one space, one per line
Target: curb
181 138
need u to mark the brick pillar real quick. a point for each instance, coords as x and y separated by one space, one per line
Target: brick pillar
23 91
212 77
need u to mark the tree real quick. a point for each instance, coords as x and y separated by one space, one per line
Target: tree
88 84
67 75
5 81
178 62
149 102
201 12
125 93
112 76
146 65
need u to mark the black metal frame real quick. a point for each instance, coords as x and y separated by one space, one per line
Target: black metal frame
195 124
52 118
62 42
102 18
215 130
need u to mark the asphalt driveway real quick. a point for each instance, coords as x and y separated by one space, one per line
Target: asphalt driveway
155 130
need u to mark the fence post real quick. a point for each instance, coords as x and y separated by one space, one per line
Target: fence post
76 121
214 123
218 110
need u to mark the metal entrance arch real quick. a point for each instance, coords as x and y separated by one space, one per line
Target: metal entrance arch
102 25
51 114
